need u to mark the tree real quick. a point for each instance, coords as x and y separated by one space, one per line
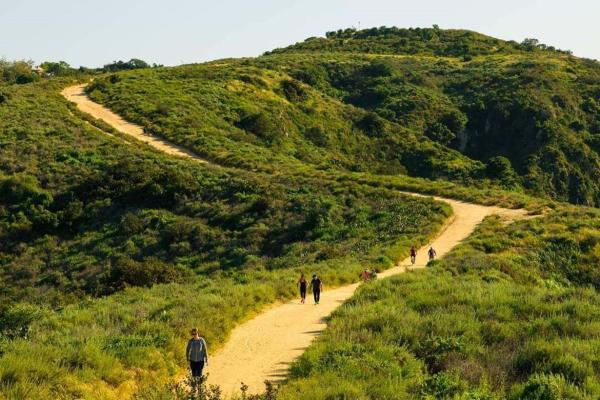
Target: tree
60 68
134 63
19 72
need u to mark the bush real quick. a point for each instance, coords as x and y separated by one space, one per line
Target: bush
499 168
259 124
126 272
373 125
293 91
547 387
439 133
441 386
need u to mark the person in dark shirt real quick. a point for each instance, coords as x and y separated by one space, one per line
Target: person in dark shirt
317 287
302 283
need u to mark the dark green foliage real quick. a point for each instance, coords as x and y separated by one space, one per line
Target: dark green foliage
500 169
440 133
260 125
17 72
126 272
317 136
293 91
134 63
431 41
60 68
373 125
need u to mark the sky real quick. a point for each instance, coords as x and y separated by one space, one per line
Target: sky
96 32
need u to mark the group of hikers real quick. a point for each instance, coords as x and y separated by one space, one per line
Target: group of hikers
197 351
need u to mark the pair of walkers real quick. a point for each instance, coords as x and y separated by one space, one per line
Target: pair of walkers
316 285
413 254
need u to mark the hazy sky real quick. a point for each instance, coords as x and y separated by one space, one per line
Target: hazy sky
95 32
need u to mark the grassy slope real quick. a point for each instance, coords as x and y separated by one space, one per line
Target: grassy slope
83 215
511 313
387 110
91 223
208 107
538 110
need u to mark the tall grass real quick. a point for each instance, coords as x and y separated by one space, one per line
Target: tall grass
501 316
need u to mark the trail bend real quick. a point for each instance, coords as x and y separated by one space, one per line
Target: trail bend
264 347
77 95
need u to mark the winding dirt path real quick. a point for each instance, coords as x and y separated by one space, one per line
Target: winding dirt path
264 347
77 95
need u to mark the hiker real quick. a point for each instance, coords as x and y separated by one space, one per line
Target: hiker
317 287
413 255
365 276
432 253
197 354
373 275
302 285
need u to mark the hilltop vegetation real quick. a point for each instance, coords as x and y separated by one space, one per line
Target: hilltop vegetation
423 41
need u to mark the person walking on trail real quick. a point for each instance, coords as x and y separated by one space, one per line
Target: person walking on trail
365 276
432 253
197 354
317 287
302 285
413 255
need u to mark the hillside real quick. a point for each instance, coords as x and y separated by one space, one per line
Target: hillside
110 249
523 117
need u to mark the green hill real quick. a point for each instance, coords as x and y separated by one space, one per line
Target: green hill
104 243
519 116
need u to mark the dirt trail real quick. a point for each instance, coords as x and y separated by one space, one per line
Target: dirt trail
77 95
263 347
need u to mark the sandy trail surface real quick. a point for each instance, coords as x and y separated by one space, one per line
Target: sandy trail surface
264 347
77 95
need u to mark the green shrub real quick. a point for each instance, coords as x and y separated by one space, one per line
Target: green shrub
293 91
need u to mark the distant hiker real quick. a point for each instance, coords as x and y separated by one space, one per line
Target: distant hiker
432 254
317 286
365 276
197 354
413 255
373 275
302 285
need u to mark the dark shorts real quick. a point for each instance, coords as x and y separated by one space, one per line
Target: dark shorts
302 291
196 367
